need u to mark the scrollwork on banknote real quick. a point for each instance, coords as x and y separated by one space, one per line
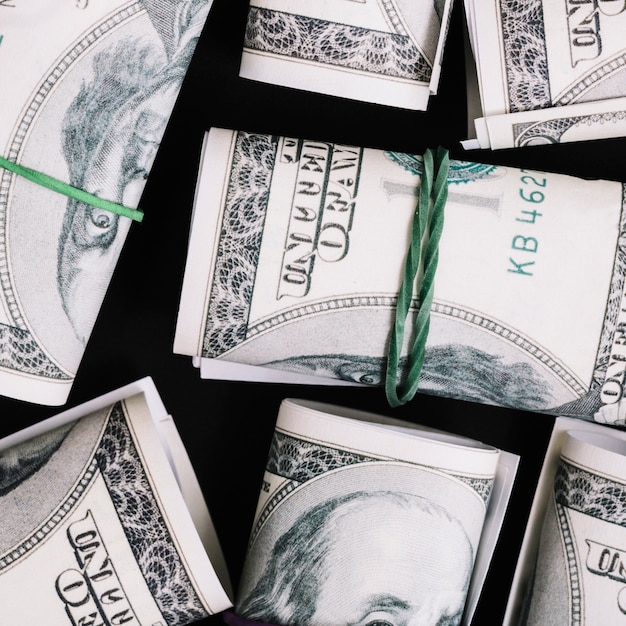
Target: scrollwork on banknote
608 385
330 43
525 53
144 525
240 240
298 461
118 463
552 131
578 489
524 41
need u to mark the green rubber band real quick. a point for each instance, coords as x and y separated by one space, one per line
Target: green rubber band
426 221
71 192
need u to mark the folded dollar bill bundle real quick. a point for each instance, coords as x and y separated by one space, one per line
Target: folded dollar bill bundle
102 520
547 71
363 518
571 565
88 106
296 257
382 52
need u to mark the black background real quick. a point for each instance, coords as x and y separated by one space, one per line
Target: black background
227 426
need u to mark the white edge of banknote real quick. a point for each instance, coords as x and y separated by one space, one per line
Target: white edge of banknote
218 369
213 568
485 26
404 95
192 307
383 426
441 44
525 564
585 121
473 101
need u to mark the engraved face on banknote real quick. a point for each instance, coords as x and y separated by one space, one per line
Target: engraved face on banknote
368 557
89 109
20 462
344 537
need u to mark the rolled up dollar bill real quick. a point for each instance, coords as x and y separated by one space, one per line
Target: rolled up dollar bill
580 576
296 257
383 52
548 71
87 106
361 518
102 520
577 122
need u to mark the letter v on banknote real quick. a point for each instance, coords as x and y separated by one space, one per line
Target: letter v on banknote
88 107
382 51
296 258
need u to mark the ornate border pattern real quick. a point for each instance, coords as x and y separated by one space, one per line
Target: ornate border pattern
526 58
144 525
239 244
334 44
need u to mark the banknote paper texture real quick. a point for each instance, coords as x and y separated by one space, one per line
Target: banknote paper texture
354 508
300 272
579 577
87 105
548 71
605 119
95 527
382 51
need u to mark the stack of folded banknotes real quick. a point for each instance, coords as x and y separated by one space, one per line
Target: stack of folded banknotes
103 519
296 258
382 52
547 71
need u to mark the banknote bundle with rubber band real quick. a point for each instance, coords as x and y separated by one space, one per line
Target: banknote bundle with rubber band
545 71
84 116
295 278
103 521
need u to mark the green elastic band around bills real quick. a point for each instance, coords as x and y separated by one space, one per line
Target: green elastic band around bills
433 193
71 192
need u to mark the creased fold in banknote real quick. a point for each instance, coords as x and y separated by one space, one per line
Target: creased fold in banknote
382 51
548 71
296 257
87 105
362 518
102 521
